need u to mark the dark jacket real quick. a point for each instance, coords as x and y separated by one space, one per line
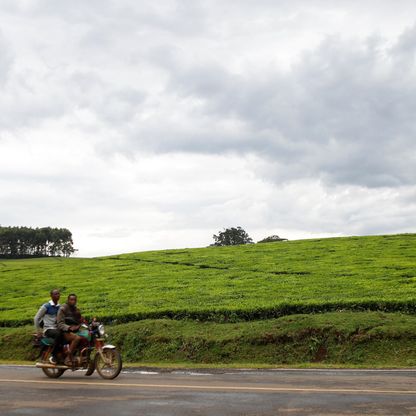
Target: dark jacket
68 316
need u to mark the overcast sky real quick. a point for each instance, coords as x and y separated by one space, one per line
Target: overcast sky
153 124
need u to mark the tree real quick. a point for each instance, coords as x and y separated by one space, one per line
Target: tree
272 239
232 237
21 242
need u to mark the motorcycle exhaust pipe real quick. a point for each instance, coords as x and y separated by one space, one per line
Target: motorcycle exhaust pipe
46 365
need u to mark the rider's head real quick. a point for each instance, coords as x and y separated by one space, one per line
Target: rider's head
55 295
72 299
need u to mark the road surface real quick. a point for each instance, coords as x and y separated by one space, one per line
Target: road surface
26 391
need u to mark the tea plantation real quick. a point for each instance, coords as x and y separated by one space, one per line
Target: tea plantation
222 283
339 301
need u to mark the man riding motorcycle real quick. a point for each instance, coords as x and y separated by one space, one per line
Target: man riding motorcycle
69 321
83 344
47 314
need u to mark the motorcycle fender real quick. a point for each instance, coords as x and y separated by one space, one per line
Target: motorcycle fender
109 346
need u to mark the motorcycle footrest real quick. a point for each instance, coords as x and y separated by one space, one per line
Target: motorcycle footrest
47 365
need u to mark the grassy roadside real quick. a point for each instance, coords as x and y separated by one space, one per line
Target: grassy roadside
342 339
180 366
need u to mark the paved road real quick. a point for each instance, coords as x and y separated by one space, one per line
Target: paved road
26 391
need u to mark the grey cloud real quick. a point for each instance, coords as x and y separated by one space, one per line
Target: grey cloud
105 17
175 118
6 59
344 112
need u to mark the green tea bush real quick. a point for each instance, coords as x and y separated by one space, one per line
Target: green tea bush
222 284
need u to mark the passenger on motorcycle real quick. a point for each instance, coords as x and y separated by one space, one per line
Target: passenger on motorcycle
69 322
47 314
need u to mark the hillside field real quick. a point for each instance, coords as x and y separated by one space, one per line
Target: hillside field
222 283
336 301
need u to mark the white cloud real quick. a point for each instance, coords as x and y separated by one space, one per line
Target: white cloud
143 125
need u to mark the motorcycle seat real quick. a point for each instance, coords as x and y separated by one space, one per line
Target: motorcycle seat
47 341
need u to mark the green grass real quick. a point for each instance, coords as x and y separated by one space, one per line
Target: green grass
337 339
251 282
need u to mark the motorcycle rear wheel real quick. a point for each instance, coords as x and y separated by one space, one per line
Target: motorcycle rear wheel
50 371
111 366
53 372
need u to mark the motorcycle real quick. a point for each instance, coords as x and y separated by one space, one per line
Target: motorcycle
92 354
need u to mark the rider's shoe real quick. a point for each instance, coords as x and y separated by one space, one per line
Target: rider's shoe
52 360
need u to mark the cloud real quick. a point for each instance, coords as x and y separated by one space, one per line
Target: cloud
155 124
351 100
6 60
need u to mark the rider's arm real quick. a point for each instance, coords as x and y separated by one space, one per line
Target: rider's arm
39 317
60 320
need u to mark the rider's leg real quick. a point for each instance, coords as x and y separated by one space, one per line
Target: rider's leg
55 334
73 340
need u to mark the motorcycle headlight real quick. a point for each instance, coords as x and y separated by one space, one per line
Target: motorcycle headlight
101 330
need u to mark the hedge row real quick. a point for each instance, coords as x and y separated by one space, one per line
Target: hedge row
241 315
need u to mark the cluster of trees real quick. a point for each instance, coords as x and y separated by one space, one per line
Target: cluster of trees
236 235
272 239
20 242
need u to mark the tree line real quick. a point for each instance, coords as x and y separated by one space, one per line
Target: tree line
21 242
235 236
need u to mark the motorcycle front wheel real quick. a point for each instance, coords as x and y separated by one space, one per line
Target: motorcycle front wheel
108 365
